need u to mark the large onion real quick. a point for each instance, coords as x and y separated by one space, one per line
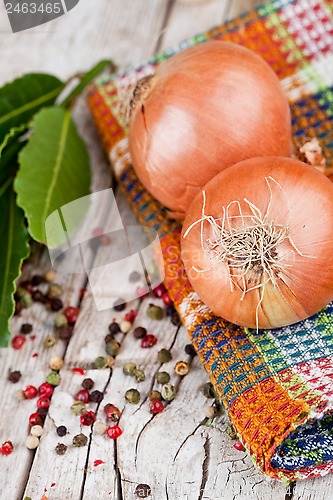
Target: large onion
257 242
205 109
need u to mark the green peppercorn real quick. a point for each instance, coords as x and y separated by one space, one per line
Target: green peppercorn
168 392
20 292
231 432
208 390
182 368
129 369
79 440
100 362
140 375
61 449
112 348
60 320
155 395
132 396
26 300
55 291
78 407
164 355
154 312
163 378
49 342
53 378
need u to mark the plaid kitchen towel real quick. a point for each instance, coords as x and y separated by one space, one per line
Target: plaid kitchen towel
277 385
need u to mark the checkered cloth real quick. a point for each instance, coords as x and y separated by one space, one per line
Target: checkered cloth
275 384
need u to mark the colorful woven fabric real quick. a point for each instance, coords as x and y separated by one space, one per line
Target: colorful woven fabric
276 385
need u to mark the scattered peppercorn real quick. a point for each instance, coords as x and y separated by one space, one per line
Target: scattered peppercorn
18 308
114 327
168 392
154 312
55 291
87 418
166 299
112 412
155 395
112 348
108 338
65 332
26 328
96 396
19 395
189 349
56 304
61 448
208 390
78 407
164 355
100 362
125 326
99 428
71 314
129 368
140 332
134 277
35 419
143 490
238 446
56 363
61 430
162 377
210 412
37 279
18 342
43 403
131 315
88 384
49 342
119 305
7 448
14 376
182 368
82 395
36 430
53 378
114 432
46 390
132 396
159 290
32 442
231 432
50 275
175 319
60 320
38 296
42 412
79 440
156 406
140 375
26 300
30 392
148 341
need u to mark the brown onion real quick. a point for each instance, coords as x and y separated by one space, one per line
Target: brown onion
205 109
257 242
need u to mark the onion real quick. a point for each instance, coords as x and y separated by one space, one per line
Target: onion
257 242
205 109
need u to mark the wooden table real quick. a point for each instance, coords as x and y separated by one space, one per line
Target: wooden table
173 452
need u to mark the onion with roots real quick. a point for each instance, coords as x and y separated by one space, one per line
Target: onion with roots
257 242
205 109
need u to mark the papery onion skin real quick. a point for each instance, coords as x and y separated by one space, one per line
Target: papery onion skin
304 206
206 108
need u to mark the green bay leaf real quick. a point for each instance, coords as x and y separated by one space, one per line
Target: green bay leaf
9 150
20 99
13 250
54 170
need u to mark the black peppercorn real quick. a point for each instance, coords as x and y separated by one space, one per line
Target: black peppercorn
175 319
189 349
96 396
140 332
88 384
65 332
108 338
26 328
38 296
114 327
143 490
119 305
61 431
14 376
61 449
56 304
42 412
37 280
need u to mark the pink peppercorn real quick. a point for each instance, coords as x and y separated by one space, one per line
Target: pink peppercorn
166 299
71 314
114 432
46 390
18 342
43 403
148 341
83 396
88 418
156 406
7 448
238 446
30 392
130 316
159 291
35 419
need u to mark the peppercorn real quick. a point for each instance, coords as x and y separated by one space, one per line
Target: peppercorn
119 305
210 412
164 355
18 308
19 395
43 403
56 363
30 392
156 406
159 290
99 428
112 412
14 376
36 430
38 296
49 342
65 332
53 378
79 440
208 390
114 432
239 446
231 432
96 396
46 390
100 362
170 310
37 279
140 332
42 412
112 348
26 328
114 327
155 395
140 375
83 396
168 392
189 349
50 275
166 299
134 277
78 407
129 368
26 300
110 361
32 442
88 384
56 304
182 368
61 430
154 312
18 342
125 326
162 377
60 320
55 291
108 338
132 396
87 418
61 448
175 319
7 448
35 419
143 490
148 341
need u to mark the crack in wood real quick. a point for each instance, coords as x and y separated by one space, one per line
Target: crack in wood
118 474
139 437
205 467
186 439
